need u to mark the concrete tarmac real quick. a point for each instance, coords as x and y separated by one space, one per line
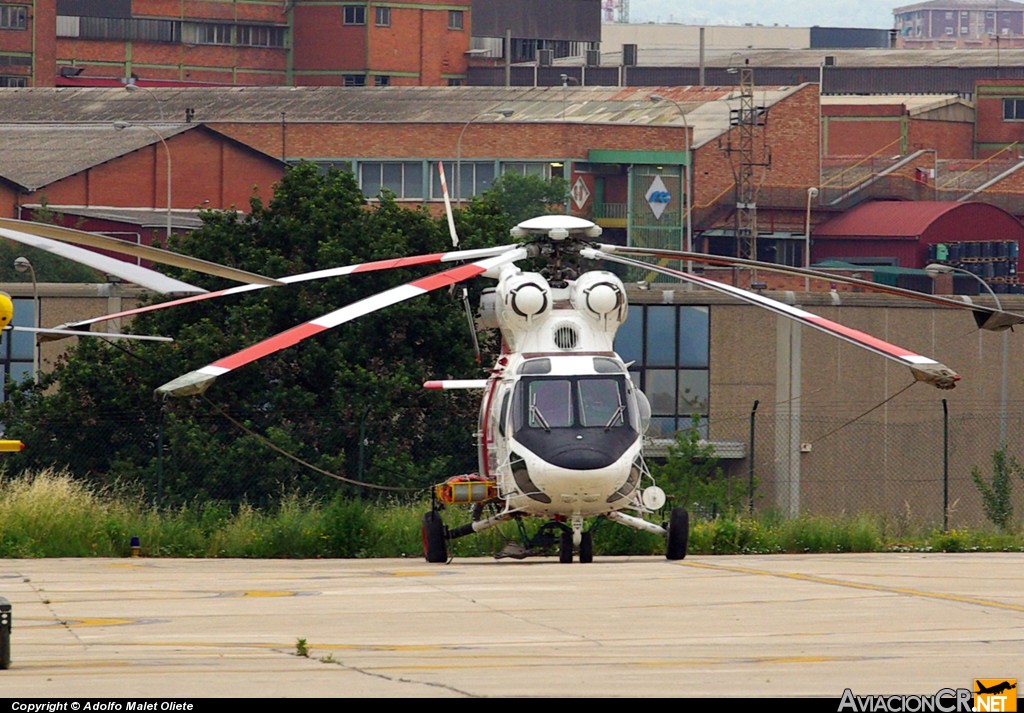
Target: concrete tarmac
640 627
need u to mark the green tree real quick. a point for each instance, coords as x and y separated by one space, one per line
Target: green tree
349 401
519 197
48 267
692 477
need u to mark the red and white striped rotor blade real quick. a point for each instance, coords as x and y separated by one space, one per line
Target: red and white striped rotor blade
447 205
923 368
449 384
992 319
304 277
196 382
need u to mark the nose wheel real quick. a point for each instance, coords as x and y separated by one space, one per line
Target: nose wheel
678 534
586 547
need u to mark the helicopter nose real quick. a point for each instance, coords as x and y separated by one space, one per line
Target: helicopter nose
582 456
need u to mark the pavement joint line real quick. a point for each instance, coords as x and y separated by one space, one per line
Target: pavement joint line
817 579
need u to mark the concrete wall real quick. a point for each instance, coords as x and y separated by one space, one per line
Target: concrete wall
887 460
718 38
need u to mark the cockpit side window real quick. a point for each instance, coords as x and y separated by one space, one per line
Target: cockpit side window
503 418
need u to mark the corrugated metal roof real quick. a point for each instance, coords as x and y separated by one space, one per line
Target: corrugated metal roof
592 105
888 219
706 109
655 56
142 217
35 155
915 103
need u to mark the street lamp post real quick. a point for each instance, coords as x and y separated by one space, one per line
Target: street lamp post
566 80
23 264
158 100
458 149
938 268
687 176
120 126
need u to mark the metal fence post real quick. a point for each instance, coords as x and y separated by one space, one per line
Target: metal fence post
945 465
750 456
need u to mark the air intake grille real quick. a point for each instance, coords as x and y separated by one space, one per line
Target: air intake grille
566 336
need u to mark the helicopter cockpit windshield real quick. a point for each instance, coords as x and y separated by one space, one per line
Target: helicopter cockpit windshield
579 402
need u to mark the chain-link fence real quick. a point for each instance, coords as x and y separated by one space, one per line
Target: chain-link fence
913 470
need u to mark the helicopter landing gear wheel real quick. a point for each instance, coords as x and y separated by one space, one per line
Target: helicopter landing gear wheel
565 548
678 534
586 548
435 545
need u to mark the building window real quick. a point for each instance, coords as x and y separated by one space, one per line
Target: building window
403 178
526 168
327 165
1013 109
541 169
355 80
13 17
381 80
354 14
209 34
669 348
16 347
260 36
455 82
382 16
475 177
119 28
13 82
455 20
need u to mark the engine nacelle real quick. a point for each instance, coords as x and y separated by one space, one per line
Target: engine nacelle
523 298
600 295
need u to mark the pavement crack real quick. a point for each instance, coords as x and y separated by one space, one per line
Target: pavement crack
331 661
46 602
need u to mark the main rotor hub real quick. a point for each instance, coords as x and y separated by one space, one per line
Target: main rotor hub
557 228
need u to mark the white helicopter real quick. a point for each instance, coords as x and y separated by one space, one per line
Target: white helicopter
561 425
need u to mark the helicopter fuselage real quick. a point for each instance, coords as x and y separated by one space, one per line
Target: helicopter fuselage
561 422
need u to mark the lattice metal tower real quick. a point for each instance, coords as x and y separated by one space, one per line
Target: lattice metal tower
747 119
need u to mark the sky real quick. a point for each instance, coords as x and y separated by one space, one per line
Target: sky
795 13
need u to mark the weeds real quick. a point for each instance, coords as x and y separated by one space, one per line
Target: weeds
52 514
997 491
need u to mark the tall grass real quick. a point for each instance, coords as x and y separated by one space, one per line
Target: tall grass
51 514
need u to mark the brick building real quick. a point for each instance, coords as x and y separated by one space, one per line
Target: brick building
610 144
358 43
863 125
952 24
76 169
